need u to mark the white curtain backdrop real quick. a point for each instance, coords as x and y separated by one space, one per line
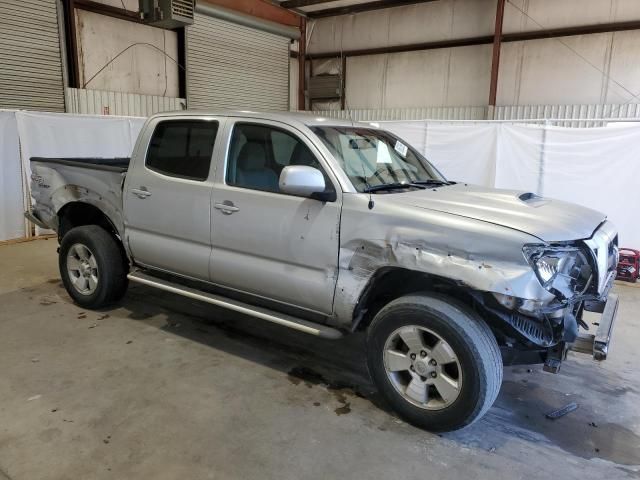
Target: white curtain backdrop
598 168
12 223
595 167
29 134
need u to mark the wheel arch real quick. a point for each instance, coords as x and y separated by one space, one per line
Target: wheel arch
78 213
390 283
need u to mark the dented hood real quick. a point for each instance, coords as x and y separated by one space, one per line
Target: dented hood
550 220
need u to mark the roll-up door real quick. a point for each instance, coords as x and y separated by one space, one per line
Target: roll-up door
30 65
234 66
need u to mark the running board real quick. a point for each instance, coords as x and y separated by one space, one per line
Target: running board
240 307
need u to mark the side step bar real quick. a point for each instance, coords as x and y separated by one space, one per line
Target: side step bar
240 307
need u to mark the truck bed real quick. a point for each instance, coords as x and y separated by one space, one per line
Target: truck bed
59 181
110 164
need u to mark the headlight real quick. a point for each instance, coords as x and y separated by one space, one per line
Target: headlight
563 269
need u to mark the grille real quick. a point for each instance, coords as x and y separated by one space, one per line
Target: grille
184 8
532 329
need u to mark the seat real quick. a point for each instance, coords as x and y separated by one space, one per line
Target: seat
252 170
301 155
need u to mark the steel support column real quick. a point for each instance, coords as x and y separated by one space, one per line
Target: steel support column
495 60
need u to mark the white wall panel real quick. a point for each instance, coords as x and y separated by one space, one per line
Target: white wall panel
533 72
547 72
443 77
426 22
566 13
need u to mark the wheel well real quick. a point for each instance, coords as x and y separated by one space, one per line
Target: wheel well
76 214
387 284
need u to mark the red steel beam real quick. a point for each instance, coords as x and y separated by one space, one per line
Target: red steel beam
495 60
302 61
260 9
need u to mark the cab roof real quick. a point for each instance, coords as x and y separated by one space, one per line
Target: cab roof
304 118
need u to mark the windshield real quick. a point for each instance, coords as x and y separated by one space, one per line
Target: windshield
376 158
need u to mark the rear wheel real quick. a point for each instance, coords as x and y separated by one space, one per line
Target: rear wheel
435 361
92 266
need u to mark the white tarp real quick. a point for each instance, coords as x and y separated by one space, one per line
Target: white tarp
27 134
595 167
68 135
464 152
598 168
12 223
519 157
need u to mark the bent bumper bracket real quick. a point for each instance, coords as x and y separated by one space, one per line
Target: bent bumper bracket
598 344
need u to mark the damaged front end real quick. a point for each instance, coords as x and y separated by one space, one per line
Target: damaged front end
579 275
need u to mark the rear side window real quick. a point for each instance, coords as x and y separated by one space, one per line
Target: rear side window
182 148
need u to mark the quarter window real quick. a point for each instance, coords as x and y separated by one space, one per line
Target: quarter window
182 148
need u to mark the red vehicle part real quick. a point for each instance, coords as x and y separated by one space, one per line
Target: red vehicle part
628 265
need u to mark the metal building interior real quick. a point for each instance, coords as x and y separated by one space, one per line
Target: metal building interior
244 322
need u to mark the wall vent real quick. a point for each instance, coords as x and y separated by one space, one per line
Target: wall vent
167 14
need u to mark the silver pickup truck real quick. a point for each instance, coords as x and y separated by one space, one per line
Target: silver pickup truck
330 228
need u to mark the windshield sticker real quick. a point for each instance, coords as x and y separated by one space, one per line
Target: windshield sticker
401 148
383 155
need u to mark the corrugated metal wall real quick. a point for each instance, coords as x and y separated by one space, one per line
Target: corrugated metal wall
562 115
99 102
234 66
569 114
432 113
30 64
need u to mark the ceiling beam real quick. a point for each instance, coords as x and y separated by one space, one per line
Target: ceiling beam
363 7
302 3
485 40
260 9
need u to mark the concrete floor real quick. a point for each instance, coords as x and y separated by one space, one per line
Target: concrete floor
163 387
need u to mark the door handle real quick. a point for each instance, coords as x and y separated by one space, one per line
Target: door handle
141 192
226 207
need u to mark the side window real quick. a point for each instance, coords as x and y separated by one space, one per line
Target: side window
258 153
182 148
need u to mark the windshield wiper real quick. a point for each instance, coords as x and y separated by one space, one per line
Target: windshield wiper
392 186
432 182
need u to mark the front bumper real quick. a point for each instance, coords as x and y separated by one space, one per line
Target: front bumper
598 344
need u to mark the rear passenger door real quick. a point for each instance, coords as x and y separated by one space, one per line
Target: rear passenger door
167 201
266 243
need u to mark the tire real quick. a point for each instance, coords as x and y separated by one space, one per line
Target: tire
470 383
103 267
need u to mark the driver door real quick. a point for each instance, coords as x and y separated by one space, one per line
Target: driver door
273 245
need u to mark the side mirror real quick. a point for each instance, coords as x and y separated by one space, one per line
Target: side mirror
304 181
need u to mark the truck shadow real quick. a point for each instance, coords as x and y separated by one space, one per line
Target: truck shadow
527 394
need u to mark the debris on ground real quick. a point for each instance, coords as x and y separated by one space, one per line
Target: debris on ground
568 408
593 424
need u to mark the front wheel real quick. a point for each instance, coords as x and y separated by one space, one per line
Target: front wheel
92 266
435 361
